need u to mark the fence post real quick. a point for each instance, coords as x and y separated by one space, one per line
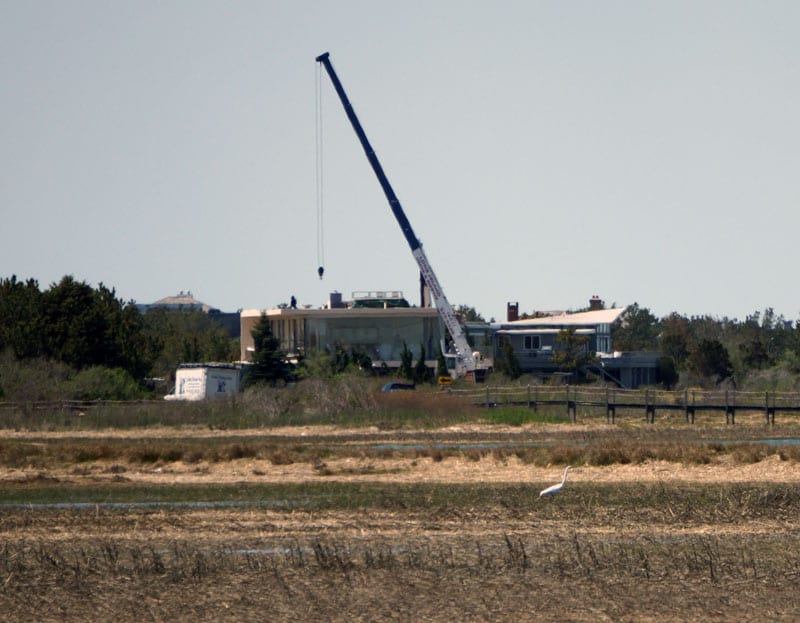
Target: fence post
574 405
727 409
535 399
686 404
529 395
566 398
693 409
649 410
487 396
774 409
766 406
653 407
610 410
614 406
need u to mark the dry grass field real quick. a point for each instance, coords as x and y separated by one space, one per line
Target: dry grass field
333 524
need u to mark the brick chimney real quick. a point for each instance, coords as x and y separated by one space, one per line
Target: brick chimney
512 311
596 304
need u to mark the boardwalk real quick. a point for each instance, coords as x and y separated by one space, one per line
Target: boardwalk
648 402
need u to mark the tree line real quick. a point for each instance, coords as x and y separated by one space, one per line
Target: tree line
71 339
74 340
760 352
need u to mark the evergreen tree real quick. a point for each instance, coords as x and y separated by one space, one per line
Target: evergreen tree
83 327
422 373
571 354
507 362
667 372
360 359
406 370
21 318
268 365
711 360
676 339
637 330
441 365
468 314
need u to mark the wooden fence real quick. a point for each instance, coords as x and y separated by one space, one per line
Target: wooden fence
649 401
70 406
610 401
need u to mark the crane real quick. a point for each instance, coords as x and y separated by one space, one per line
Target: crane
465 360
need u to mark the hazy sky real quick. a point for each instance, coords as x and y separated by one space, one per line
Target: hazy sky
543 151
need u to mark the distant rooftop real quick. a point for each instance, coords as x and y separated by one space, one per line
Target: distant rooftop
600 316
182 300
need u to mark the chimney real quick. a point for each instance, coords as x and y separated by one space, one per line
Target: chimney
596 304
512 311
335 301
424 292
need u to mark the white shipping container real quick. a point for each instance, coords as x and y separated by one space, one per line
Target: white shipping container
201 381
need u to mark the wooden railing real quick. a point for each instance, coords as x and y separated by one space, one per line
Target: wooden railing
72 406
648 401
608 401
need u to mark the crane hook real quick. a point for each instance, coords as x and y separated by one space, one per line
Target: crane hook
320 271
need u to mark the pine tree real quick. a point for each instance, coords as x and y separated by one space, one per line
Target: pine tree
406 363
441 365
268 365
571 354
507 362
422 373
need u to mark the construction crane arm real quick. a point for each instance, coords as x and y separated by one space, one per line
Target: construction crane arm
465 359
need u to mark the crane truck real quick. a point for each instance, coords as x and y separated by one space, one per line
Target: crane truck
463 362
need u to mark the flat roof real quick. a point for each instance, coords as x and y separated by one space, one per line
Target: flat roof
600 316
360 312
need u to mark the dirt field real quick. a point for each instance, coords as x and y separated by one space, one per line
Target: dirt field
383 535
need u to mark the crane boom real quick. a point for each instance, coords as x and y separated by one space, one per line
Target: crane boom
465 361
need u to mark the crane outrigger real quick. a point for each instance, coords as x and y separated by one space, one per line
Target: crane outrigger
463 362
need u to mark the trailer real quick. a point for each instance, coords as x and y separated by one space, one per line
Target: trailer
200 381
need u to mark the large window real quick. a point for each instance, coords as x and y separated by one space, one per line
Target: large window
532 342
382 339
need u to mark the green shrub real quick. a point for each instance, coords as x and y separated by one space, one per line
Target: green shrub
99 383
32 380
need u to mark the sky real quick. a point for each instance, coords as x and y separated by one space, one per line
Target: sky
543 151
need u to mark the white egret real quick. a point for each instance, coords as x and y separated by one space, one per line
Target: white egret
555 488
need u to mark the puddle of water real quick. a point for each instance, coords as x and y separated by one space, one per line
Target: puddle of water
145 505
465 445
491 445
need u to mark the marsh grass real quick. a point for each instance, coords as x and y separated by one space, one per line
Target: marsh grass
500 575
570 556
601 448
355 400
426 551
420 409
519 415
638 504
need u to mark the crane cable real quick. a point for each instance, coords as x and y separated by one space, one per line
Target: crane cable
320 212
